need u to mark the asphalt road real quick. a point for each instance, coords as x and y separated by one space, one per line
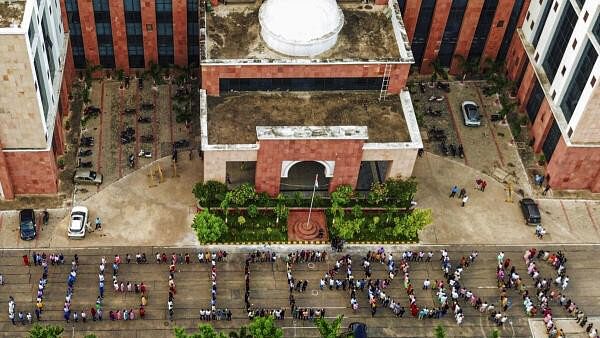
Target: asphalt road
269 289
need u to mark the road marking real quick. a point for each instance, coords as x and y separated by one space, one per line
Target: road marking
487 287
562 206
587 207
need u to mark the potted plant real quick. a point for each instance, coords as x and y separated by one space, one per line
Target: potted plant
60 163
542 159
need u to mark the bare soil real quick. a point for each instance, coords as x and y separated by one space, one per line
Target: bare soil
11 12
232 118
234 33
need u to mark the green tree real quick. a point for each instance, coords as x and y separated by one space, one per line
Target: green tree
357 211
243 195
377 194
329 329
47 331
342 195
440 331
210 194
252 211
241 220
209 228
347 228
264 327
242 333
225 203
495 334
401 192
407 226
281 211
204 331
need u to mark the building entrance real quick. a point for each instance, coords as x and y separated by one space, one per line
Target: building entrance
301 177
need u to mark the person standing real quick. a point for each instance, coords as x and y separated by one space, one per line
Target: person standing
465 199
453 191
483 185
98 224
101 289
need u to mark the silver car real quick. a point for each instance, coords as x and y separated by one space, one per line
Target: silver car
470 112
84 176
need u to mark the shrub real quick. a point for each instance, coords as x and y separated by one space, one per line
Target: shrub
347 228
342 195
408 225
401 192
243 195
208 227
378 194
210 194
281 211
241 220
252 211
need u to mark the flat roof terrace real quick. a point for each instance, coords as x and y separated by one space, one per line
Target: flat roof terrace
368 34
11 12
233 117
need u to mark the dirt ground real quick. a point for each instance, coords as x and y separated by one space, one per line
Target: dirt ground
234 33
233 118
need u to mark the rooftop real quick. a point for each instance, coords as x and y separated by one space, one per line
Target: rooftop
368 34
11 12
233 118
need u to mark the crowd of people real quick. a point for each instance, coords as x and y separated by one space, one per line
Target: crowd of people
305 256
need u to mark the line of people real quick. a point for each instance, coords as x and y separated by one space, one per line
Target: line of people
305 256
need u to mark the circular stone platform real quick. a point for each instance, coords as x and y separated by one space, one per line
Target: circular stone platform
300 230
300 27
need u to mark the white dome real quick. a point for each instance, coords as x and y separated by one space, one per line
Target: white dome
300 27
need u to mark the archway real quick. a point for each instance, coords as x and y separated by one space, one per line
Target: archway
300 176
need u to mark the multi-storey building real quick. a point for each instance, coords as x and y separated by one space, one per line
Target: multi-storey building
33 64
554 61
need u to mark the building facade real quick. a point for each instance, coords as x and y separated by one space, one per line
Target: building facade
34 61
554 61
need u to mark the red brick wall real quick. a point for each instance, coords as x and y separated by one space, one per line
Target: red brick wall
496 34
180 32
347 155
211 74
436 31
150 43
88 31
465 36
526 86
410 17
58 140
541 126
515 58
117 17
574 168
32 172
5 180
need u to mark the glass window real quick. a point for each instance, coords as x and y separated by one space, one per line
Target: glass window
483 29
535 101
103 28
450 37
540 26
131 5
164 29
402 4
134 28
580 3
422 30
71 6
510 30
101 5
560 41
596 29
551 141
164 5
579 80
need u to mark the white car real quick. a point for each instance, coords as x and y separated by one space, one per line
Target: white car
470 112
78 223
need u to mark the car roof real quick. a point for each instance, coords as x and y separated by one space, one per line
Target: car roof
79 208
527 201
82 172
27 212
470 102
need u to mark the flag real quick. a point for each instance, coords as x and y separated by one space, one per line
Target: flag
316 181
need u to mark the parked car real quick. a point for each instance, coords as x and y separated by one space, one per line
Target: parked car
79 221
27 226
358 329
530 210
470 112
87 177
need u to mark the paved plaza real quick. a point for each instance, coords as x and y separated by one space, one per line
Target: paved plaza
269 289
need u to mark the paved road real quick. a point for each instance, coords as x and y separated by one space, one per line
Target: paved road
269 289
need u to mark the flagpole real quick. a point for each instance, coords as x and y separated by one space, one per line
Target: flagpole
312 199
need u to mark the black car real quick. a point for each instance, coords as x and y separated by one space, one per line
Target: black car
27 227
358 329
530 210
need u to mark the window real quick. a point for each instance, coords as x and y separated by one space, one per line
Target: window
164 5
551 141
422 30
193 32
131 5
596 29
579 80
483 28
104 33
538 32
510 29
75 33
134 28
164 29
402 5
535 101
300 84
103 28
580 3
559 41
101 5
450 37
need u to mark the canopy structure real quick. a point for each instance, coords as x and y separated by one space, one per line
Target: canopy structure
300 27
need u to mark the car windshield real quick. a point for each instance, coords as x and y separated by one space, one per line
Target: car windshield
27 226
77 220
93 174
472 112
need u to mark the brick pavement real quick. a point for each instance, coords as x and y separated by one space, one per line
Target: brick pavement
269 289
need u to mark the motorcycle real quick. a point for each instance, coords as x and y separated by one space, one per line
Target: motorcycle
126 81
147 106
183 143
128 131
433 112
92 111
143 153
444 148
452 149
147 138
144 119
81 164
85 153
443 86
461 152
437 134
140 83
422 87
126 139
435 98
129 111
86 141
131 161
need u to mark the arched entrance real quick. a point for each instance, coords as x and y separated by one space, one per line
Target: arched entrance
301 176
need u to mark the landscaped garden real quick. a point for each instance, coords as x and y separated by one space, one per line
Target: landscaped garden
385 213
